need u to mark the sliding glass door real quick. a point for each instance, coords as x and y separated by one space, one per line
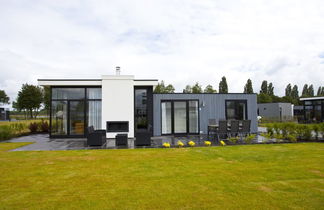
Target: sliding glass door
180 117
73 109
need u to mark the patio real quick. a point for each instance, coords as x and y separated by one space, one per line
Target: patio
42 142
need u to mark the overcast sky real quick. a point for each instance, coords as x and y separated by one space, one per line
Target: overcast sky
178 41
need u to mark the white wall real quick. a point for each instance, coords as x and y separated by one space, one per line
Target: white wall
118 101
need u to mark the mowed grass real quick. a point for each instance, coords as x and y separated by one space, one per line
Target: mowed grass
251 177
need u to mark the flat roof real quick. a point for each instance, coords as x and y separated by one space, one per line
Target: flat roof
312 98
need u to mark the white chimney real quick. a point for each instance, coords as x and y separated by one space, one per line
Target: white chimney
117 70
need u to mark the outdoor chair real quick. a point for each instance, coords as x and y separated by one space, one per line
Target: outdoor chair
95 137
212 129
222 129
246 126
143 138
235 128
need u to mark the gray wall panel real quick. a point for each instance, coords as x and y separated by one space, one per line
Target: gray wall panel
214 108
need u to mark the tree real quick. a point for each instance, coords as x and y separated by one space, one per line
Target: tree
209 89
223 88
4 99
169 89
319 91
196 88
29 98
161 88
305 91
264 98
248 87
188 89
322 92
288 90
270 89
294 92
264 87
311 91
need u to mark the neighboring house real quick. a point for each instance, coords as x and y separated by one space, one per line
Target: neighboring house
122 103
4 114
313 109
276 111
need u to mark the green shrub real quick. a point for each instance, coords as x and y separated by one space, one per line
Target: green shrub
316 129
306 132
292 138
234 140
270 129
248 139
6 132
276 128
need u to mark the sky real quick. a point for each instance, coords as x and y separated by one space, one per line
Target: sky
179 41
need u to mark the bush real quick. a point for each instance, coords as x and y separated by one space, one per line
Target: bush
44 127
233 140
306 132
316 129
33 127
248 139
292 138
6 132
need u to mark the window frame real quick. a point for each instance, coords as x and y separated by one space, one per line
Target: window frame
187 117
85 100
237 101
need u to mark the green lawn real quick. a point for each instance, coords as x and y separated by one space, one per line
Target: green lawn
251 177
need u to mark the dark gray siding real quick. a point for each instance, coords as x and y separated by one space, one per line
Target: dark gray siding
272 110
214 108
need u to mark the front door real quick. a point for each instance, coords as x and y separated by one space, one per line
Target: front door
143 118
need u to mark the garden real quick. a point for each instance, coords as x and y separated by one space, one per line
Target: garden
13 129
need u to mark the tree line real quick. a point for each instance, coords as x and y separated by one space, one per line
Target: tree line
265 95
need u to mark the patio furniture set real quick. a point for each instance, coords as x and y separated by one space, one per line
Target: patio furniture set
228 128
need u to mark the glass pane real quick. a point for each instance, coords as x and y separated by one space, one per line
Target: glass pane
94 93
141 109
68 93
230 110
59 118
193 117
94 114
241 111
180 117
76 117
318 113
166 117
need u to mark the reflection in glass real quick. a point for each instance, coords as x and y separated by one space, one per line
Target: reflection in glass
180 116
193 116
94 93
76 117
236 110
94 114
68 93
166 118
141 109
230 110
59 118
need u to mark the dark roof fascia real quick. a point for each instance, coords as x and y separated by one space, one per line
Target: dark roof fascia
69 80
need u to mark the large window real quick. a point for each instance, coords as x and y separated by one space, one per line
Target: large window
236 109
314 111
74 108
141 121
180 117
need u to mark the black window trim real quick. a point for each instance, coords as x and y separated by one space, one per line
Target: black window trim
172 116
85 100
237 101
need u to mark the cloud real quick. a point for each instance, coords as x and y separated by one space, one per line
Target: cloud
180 42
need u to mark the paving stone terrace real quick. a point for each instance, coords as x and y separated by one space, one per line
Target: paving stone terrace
43 142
